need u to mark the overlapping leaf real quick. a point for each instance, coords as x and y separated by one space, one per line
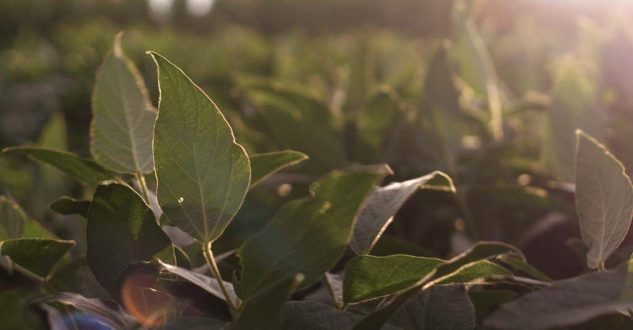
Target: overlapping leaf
568 302
369 277
121 230
308 235
123 116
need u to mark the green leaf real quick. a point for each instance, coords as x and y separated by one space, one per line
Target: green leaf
382 206
81 169
519 266
36 255
69 206
369 277
204 282
568 302
202 173
263 310
440 307
480 251
307 235
480 269
266 164
121 229
122 116
604 199
15 223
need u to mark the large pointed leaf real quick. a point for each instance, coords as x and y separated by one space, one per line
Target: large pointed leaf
204 282
382 207
263 310
568 302
81 169
604 199
36 255
121 229
122 116
369 277
440 307
266 164
15 223
308 235
203 174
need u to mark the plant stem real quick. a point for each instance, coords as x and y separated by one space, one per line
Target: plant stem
208 254
141 182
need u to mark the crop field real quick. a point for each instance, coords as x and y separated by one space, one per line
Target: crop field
316 164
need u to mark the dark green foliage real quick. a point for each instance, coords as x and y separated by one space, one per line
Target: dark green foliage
200 214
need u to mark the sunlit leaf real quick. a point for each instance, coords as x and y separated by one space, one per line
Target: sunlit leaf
604 199
203 174
369 277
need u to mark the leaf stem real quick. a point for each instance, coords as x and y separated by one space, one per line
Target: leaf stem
141 182
208 254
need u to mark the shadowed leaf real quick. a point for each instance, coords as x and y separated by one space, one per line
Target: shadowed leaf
568 302
70 206
263 309
121 230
